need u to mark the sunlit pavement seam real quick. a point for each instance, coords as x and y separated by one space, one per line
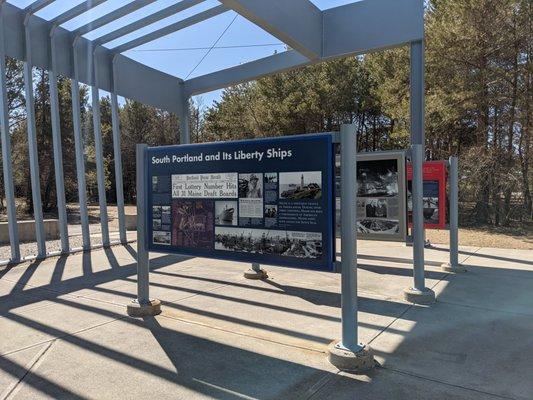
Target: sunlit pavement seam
192 322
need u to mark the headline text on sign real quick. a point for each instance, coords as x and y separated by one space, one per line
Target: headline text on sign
224 156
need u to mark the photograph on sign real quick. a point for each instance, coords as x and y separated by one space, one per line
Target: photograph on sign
226 212
263 201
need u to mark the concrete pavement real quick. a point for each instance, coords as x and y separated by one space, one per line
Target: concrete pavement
65 333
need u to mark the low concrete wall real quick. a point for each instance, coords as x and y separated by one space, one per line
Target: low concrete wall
131 222
27 230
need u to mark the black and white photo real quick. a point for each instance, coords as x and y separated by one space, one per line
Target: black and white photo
378 226
161 237
301 185
273 242
271 211
251 186
376 208
377 178
226 212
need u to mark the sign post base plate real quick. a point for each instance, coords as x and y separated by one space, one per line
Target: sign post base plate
135 309
453 268
350 361
425 296
253 274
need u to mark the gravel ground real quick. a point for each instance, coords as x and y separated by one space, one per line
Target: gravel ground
30 249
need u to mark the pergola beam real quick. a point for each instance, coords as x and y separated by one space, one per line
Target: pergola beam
112 16
150 19
298 23
37 6
372 25
245 72
76 11
185 23
356 28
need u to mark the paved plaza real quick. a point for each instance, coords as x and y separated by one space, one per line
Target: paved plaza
65 332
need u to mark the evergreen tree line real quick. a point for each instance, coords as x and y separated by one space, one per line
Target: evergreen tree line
478 106
478 102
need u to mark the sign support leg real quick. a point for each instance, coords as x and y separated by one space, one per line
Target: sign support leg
348 354
418 293
256 272
142 305
454 265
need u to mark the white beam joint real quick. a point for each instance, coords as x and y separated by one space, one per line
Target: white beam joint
298 23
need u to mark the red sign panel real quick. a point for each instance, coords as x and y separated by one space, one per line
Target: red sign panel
434 175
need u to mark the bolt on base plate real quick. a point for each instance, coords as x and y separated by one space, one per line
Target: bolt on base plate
153 307
253 274
349 361
458 268
425 296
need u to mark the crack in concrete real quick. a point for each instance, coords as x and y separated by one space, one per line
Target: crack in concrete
427 378
32 365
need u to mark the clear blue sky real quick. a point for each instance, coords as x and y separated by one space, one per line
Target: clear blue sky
173 54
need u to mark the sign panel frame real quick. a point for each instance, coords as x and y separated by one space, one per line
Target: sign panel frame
399 157
185 167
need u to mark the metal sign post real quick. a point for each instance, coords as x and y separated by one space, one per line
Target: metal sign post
454 265
142 305
348 354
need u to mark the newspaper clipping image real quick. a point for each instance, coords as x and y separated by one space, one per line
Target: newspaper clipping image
205 186
251 195
266 241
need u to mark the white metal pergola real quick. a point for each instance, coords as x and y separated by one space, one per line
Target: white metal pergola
313 35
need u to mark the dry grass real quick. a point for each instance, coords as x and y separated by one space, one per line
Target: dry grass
506 238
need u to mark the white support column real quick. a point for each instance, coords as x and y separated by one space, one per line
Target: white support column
418 293
98 149
454 265
32 146
58 154
5 136
142 305
348 354
119 186
79 150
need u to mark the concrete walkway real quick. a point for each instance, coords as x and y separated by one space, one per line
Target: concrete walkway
65 333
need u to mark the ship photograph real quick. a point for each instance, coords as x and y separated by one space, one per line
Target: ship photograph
226 212
273 242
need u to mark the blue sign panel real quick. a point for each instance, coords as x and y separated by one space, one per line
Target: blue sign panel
268 201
